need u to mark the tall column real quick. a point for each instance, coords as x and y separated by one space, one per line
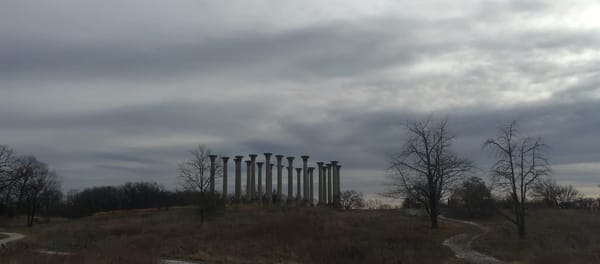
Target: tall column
329 186
305 177
279 171
225 159
270 198
311 199
213 170
248 180
334 182
338 185
238 178
269 183
259 193
253 177
290 192
298 185
320 173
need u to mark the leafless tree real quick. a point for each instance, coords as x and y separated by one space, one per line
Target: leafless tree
426 168
33 179
351 199
7 161
194 175
521 164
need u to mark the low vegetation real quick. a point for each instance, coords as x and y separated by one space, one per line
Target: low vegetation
554 236
243 234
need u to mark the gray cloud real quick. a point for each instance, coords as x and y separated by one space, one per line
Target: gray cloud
114 95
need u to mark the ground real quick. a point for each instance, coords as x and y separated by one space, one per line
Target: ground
244 234
553 236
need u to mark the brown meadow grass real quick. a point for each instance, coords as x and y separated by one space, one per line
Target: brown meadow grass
242 234
553 236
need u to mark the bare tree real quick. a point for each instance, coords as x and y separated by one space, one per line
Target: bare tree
426 168
7 161
34 179
351 199
194 175
521 163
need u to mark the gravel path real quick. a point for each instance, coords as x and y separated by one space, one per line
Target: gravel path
461 243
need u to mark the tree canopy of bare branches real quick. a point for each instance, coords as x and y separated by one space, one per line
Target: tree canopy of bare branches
194 173
426 168
521 164
351 199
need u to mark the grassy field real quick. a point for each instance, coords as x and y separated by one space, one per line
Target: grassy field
553 236
241 234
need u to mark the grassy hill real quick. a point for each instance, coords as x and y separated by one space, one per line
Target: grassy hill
241 234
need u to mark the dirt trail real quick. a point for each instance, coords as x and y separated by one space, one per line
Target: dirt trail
16 236
461 243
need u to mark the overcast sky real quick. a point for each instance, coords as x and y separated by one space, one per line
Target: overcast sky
113 91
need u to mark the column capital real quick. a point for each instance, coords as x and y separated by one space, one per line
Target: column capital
260 163
290 158
212 157
334 162
253 156
279 156
320 163
304 157
311 168
298 170
225 159
268 154
239 157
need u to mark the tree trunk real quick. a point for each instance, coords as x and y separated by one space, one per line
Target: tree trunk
433 215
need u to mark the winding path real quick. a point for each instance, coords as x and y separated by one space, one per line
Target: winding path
461 243
16 236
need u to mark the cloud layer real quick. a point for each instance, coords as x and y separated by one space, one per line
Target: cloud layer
117 91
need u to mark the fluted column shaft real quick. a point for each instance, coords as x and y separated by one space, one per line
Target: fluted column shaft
329 184
225 160
253 176
259 192
238 177
334 182
305 177
213 170
320 173
298 184
268 178
290 168
311 199
279 172
338 185
248 179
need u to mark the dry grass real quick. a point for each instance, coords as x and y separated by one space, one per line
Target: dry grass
553 236
247 234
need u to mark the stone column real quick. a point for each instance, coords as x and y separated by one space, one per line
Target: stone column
268 178
248 180
213 170
329 186
338 185
270 198
298 185
290 192
259 193
238 177
305 177
320 173
225 159
311 199
334 182
253 177
279 182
